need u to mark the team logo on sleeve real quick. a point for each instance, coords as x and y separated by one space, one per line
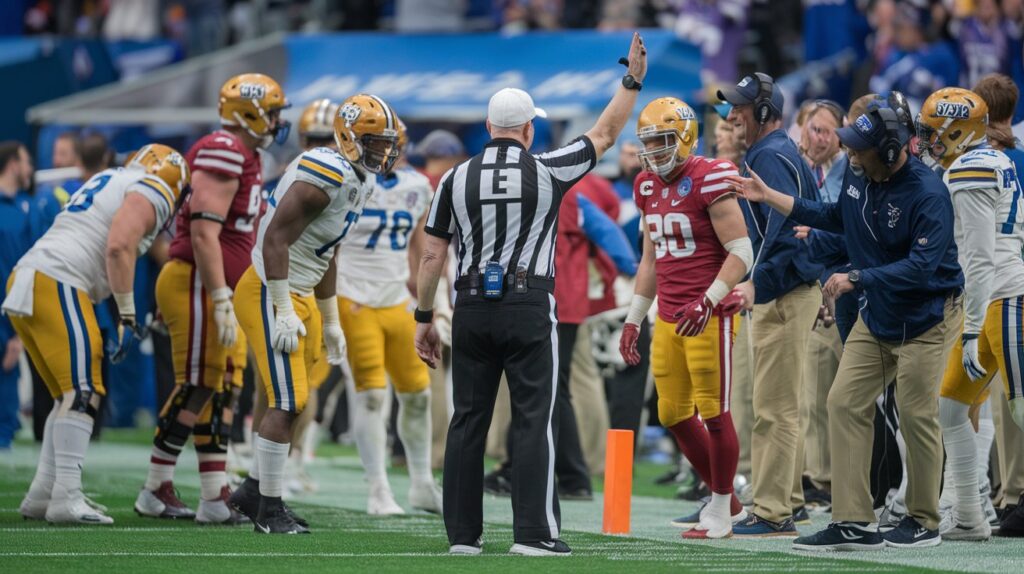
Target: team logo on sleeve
684 187
955 110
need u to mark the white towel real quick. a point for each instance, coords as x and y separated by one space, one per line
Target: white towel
19 300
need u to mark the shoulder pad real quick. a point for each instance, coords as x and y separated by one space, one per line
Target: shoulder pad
326 165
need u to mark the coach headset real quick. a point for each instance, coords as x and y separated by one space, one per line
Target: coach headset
894 113
764 109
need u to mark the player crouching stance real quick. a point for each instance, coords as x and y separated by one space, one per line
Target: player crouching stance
695 251
89 252
989 236
374 304
315 204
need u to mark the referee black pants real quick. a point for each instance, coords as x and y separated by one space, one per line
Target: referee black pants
517 335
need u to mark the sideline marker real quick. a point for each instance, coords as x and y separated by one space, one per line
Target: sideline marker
618 481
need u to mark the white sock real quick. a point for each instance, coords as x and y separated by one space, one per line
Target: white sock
254 472
961 456
948 497
983 439
46 471
719 505
309 442
213 474
371 434
414 430
273 456
70 441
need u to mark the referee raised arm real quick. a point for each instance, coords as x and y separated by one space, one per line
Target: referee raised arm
502 207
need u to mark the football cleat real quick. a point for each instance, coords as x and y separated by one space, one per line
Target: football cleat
541 548
978 533
426 496
273 518
692 520
381 502
162 503
246 500
218 511
33 509
75 510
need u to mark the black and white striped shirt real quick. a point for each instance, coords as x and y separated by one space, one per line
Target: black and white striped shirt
503 204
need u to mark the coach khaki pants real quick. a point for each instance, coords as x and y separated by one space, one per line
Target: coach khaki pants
743 393
780 333
867 364
1010 443
823 353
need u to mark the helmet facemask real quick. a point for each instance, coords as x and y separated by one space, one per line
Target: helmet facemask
662 155
379 153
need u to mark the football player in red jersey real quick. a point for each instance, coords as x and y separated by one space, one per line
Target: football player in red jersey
214 236
695 251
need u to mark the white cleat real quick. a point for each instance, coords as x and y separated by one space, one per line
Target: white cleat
426 496
75 511
381 501
978 533
212 512
33 509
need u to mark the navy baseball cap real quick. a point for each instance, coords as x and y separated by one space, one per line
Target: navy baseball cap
745 92
868 131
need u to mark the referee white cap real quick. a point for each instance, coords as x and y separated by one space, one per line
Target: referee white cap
512 107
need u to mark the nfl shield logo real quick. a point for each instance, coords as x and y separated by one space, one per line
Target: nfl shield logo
685 187
664 193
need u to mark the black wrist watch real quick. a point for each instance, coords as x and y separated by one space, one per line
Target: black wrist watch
630 83
422 316
854 277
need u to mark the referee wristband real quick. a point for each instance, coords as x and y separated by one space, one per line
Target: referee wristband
422 316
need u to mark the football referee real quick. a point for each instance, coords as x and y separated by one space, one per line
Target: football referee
502 207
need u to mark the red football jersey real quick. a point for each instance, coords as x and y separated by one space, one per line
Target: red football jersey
688 255
222 153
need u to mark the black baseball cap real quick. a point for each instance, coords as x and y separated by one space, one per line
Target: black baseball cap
746 90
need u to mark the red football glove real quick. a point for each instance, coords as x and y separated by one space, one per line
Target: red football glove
627 344
693 317
732 304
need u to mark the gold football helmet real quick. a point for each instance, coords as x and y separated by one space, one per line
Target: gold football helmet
952 120
367 131
253 102
667 128
317 120
165 163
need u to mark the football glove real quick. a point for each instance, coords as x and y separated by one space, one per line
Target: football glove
627 344
128 332
731 304
693 317
224 317
970 359
334 340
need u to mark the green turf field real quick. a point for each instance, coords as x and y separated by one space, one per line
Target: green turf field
345 539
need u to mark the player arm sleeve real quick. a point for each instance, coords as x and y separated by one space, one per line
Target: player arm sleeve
609 237
976 210
931 234
156 192
440 219
570 163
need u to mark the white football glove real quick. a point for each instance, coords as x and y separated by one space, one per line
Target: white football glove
224 316
970 359
287 325
334 336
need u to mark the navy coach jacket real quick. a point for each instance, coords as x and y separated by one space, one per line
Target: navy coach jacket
899 234
781 261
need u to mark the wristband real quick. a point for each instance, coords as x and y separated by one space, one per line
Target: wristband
718 290
206 216
221 295
281 295
328 310
125 304
423 316
638 308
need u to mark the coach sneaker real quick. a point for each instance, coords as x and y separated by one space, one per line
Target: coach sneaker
842 536
467 549
756 527
692 520
801 517
381 502
425 495
541 548
162 503
217 511
74 510
1012 522
910 534
274 519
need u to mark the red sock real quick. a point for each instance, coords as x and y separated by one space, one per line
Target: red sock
724 455
692 438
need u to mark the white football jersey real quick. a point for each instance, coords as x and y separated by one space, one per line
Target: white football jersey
989 231
73 250
310 255
373 266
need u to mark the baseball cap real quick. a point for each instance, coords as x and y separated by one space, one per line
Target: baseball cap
746 91
512 107
440 143
868 131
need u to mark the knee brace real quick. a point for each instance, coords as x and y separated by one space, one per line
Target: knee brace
952 413
372 399
416 402
79 404
1017 411
224 404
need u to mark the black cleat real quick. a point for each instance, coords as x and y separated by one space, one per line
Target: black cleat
246 500
275 519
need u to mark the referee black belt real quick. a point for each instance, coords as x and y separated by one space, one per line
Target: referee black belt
532 282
